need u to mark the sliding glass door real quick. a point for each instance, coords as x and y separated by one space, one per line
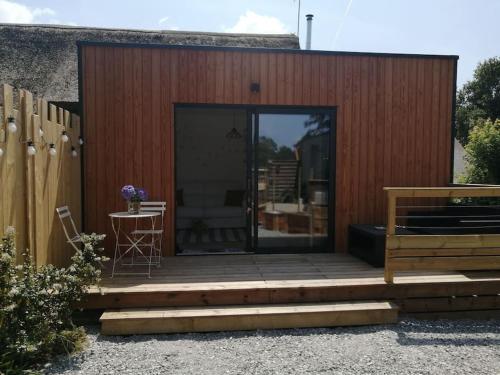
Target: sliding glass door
291 180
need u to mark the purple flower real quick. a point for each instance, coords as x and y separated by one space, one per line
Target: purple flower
132 194
141 193
128 192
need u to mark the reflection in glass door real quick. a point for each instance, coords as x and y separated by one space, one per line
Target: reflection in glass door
292 181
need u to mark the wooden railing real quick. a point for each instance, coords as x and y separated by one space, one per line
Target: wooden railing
32 186
407 250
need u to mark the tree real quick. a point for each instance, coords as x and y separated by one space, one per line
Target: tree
318 123
482 153
267 149
284 153
478 98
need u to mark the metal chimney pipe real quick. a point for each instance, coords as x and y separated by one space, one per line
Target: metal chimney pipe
309 18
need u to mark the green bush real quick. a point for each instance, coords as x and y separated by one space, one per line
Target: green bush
482 153
36 305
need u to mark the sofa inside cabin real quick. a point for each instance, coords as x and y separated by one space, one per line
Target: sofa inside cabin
219 204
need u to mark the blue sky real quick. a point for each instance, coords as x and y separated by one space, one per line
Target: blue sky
468 28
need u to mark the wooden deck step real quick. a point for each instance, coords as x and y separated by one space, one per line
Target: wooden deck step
246 317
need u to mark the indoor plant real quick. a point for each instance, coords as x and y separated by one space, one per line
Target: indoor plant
134 197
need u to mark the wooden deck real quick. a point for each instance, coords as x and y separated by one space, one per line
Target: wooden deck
276 279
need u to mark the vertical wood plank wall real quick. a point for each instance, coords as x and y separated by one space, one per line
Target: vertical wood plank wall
393 119
32 187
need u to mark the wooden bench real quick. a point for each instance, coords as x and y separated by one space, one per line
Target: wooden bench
439 252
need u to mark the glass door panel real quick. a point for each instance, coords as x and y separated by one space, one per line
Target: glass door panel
291 178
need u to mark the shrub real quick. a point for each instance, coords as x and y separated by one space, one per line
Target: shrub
483 153
36 305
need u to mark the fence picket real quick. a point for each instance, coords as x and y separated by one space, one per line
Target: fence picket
32 187
27 120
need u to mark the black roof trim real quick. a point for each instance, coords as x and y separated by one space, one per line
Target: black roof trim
260 49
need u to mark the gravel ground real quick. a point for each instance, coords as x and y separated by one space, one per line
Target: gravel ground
410 347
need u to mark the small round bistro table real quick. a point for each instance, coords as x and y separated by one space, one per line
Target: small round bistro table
132 243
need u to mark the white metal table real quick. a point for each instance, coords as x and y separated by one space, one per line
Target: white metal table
132 243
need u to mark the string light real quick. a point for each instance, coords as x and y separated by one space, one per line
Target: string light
64 136
52 149
11 125
31 148
2 140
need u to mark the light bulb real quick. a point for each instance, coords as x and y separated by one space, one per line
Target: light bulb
31 149
64 137
1 152
80 140
11 126
52 150
73 152
40 132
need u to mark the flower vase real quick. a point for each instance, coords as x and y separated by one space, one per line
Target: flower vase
133 207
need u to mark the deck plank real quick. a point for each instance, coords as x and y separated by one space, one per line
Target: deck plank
224 318
245 279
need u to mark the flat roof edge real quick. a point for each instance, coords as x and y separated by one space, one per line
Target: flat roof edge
262 49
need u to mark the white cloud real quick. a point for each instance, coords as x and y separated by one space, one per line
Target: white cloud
163 23
56 21
163 20
40 12
254 23
13 12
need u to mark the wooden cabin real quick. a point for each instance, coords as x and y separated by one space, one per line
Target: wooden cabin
302 188
152 112
272 154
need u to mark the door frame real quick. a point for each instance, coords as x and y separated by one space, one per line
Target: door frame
252 109
252 154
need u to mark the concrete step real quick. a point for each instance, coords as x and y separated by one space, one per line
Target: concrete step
246 317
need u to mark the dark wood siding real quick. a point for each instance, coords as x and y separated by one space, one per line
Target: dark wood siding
393 119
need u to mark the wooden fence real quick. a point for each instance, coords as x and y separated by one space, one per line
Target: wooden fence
32 186
448 248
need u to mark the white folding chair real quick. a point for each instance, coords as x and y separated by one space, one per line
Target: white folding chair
152 237
73 238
